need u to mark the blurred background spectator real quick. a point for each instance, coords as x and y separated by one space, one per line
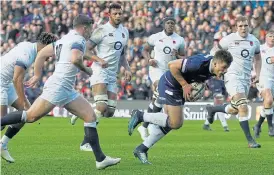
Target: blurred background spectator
201 23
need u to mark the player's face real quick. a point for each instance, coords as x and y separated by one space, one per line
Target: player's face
243 28
116 16
169 26
270 39
220 68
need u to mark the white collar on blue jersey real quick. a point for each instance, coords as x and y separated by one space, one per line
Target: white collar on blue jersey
210 66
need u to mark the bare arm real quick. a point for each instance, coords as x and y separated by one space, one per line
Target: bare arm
77 60
146 52
89 55
258 64
41 57
18 78
123 60
178 54
175 69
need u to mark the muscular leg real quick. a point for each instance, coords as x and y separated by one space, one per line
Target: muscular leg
4 111
81 107
38 109
99 92
173 121
112 103
267 111
12 129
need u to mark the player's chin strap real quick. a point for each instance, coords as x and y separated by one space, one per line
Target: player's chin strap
241 101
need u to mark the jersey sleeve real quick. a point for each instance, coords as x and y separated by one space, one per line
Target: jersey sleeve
190 65
97 36
24 61
79 44
224 42
151 40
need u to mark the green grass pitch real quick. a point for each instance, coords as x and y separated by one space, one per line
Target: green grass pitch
51 146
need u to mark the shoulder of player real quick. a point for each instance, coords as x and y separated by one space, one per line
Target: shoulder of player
124 29
179 38
230 36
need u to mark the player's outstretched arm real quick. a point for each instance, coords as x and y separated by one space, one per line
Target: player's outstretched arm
41 57
175 68
77 60
18 79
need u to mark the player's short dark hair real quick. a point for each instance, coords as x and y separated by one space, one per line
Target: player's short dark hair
240 18
82 20
114 6
46 38
223 55
168 18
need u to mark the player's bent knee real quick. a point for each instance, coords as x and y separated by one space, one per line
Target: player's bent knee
111 108
101 102
175 125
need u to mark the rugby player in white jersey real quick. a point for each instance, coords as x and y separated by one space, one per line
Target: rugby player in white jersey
111 40
266 84
13 68
167 46
244 48
59 88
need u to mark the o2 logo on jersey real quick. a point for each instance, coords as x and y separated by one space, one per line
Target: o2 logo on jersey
118 45
167 50
268 60
245 53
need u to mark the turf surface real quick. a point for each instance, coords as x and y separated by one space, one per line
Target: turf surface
52 147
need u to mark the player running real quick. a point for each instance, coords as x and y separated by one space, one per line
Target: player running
217 89
174 90
167 46
111 40
266 85
244 47
59 88
13 68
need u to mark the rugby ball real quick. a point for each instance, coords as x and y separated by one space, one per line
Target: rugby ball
197 91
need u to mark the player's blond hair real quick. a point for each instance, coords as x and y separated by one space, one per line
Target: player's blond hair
241 18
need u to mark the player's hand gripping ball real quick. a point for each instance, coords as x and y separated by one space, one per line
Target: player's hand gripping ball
197 91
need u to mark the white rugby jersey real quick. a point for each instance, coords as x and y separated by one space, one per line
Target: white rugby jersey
110 45
23 54
267 70
163 46
242 50
65 72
